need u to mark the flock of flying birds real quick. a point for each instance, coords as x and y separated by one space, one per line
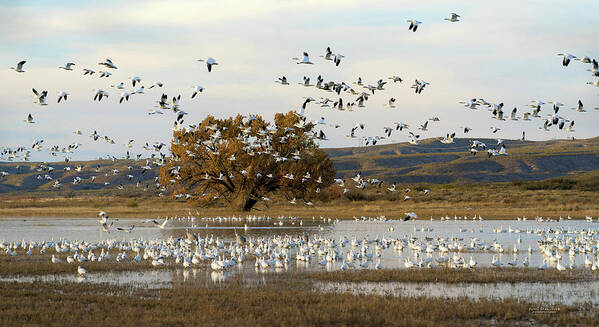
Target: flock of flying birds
359 91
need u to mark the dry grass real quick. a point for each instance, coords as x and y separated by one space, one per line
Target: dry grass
279 304
446 275
494 201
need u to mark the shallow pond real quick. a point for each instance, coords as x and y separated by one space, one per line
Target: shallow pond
523 236
549 293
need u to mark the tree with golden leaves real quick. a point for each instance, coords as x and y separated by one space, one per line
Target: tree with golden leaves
242 160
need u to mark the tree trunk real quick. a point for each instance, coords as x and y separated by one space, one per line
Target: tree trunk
243 202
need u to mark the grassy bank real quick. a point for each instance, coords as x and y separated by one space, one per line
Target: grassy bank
279 304
446 275
492 201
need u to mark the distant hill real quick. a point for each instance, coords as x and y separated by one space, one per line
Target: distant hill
429 162
435 162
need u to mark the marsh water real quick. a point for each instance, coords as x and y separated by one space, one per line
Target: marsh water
508 233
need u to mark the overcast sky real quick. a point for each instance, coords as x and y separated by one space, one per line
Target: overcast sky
502 51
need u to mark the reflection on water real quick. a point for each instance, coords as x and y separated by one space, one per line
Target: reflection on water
550 293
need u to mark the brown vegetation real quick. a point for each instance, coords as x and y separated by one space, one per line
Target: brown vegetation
492 201
446 275
277 304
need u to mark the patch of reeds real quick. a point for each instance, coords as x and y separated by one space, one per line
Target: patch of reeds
447 275
71 304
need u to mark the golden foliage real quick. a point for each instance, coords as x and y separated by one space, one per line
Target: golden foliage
241 160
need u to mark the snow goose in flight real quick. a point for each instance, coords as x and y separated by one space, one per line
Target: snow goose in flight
579 107
328 55
556 106
413 139
209 63
135 80
448 139
120 86
41 97
546 125
387 131
495 129
567 57
305 59
453 18
594 71
325 102
126 230
584 59
418 86
197 89
100 94
571 127
154 112
108 64
306 82
372 88
159 84
361 100
87 71
140 90
338 59
105 74
423 127
400 126
160 225
282 80
472 104
62 95
498 114
19 68
391 103
308 100
413 24
29 119
124 96
466 129
526 116
395 78
68 66
513 114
